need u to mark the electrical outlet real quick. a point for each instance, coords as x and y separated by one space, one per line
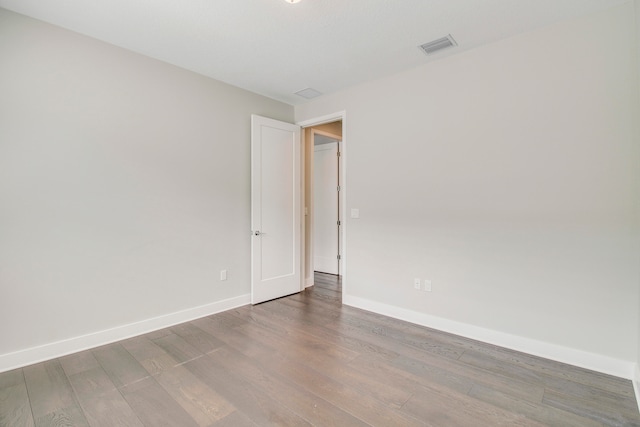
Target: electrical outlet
223 274
427 285
416 283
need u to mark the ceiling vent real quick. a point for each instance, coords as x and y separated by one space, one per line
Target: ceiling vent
438 45
308 93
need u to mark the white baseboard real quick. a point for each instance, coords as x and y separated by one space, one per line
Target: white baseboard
308 282
52 350
595 362
636 383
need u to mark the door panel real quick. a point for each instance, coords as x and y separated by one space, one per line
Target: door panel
275 209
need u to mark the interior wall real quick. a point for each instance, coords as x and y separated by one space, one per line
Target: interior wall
508 176
124 186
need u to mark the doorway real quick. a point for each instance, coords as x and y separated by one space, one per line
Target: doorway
326 204
324 250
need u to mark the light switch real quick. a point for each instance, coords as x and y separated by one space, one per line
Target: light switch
355 213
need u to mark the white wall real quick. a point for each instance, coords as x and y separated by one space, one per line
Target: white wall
124 188
508 175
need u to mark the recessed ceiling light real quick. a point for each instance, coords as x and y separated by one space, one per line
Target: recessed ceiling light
292 1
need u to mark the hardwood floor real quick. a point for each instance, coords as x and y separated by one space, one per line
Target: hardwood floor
307 360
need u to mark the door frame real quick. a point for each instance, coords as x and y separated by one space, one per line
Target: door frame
342 167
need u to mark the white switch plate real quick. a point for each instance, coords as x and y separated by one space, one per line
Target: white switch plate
223 274
355 213
416 283
427 285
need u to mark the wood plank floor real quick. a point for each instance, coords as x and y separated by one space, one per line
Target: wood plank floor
307 360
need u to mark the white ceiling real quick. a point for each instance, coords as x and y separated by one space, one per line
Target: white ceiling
275 48
321 139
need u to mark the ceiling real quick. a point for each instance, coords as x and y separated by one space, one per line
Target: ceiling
322 139
275 49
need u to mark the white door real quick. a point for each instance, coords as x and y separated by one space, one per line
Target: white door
325 208
275 209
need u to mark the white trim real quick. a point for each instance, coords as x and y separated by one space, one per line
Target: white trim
52 350
309 282
636 383
572 356
303 211
333 117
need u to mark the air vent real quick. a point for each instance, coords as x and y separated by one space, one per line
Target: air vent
438 45
308 93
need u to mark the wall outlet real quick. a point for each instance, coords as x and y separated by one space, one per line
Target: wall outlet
416 283
427 285
223 274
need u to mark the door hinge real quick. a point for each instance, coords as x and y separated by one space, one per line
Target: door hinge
338 188
338 154
339 223
339 257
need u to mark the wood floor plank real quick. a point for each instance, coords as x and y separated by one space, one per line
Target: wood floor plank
443 407
306 309
11 378
109 409
436 365
154 406
357 345
121 367
235 419
93 382
311 407
251 401
444 369
303 346
420 341
234 339
52 398
15 409
71 416
100 400
79 362
620 386
201 402
178 348
395 397
198 338
536 411
226 319
558 386
604 409
153 358
338 393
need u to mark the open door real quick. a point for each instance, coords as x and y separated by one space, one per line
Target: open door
275 209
